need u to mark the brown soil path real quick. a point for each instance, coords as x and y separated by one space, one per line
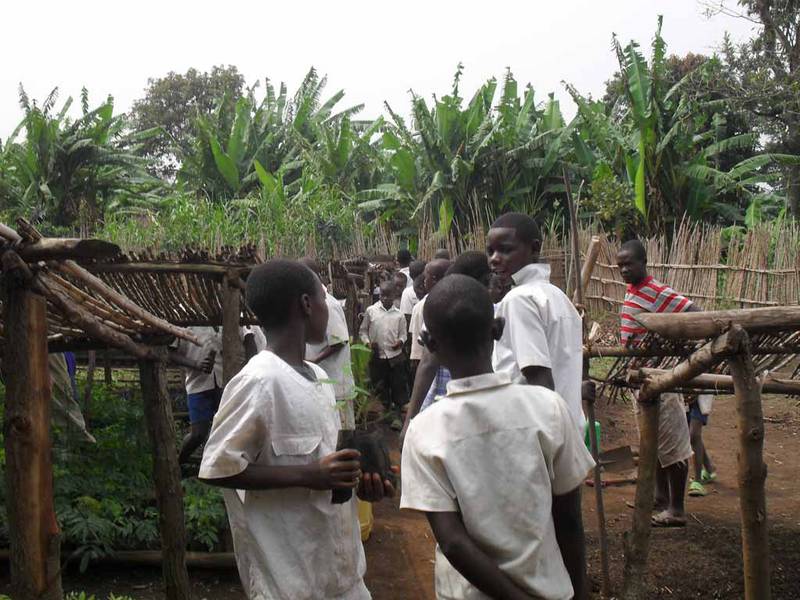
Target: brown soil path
701 561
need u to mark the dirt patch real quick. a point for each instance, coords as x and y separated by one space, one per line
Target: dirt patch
701 561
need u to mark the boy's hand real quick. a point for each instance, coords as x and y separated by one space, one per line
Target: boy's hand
340 470
397 345
372 489
208 362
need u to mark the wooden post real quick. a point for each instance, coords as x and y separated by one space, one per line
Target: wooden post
637 541
232 348
33 531
91 363
752 476
107 374
167 475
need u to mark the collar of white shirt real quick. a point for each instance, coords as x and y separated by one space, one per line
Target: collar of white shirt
532 272
477 383
380 306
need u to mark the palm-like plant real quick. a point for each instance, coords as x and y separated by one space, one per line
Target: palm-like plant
69 172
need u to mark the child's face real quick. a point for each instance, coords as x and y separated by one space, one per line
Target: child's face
399 283
507 253
318 317
387 296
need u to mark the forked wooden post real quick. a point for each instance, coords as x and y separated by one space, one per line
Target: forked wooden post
232 348
167 475
637 541
752 476
34 538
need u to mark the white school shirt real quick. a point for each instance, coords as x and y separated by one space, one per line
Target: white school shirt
542 329
337 366
405 271
415 326
198 381
294 544
408 301
497 453
383 328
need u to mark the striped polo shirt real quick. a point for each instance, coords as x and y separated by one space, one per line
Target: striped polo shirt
649 296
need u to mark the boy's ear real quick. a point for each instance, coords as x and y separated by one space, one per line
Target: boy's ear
498 325
536 246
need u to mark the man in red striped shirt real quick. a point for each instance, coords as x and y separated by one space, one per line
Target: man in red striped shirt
645 294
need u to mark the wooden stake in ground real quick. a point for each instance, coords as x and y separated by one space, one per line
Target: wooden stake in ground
637 541
752 476
167 475
232 348
33 531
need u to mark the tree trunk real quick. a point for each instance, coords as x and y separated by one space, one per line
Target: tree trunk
752 477
33 531
167 475
793 191
232 348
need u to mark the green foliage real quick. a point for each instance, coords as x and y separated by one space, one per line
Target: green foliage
611 203
104 495
68 173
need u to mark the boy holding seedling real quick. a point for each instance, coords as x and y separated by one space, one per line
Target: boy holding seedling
273 447
384 330
493 465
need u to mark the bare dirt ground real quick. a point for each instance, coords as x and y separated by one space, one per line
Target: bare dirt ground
701 561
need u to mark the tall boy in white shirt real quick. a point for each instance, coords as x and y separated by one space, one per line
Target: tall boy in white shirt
474 461
273 447
542 343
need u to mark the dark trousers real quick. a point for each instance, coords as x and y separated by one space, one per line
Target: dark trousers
389 377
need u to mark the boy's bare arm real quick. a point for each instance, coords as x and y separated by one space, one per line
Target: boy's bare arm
539 376
568 523
469 560
326 353
338 470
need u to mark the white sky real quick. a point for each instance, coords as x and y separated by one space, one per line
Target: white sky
374 50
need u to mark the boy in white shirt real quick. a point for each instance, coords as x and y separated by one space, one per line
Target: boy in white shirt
384 330
473 461
414 292
542 343
275 436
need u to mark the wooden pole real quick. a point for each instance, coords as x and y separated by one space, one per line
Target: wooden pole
699 325
33 531
637 541
91 363
108 377
752 476
620 351
605 583
167 475
589 262
713 382
232 348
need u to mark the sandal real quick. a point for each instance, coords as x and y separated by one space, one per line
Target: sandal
706 477
664 520
696 489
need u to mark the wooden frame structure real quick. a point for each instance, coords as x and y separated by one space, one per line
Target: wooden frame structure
696 346
62 294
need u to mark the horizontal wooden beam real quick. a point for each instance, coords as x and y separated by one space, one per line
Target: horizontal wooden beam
622 351
719 383
67 248
700 325
725 345
149 267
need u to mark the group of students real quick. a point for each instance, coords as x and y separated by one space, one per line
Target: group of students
492 444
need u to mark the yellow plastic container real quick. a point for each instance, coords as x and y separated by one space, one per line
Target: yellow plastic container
365 518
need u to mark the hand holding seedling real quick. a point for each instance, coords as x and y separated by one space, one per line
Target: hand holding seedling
372 489
339 470
208 362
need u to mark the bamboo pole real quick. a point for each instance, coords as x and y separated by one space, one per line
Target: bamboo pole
33 531
167 475
637 541
232 348
752 477
111 295
167 267
588 267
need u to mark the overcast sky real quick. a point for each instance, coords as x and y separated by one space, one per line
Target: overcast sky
374 50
